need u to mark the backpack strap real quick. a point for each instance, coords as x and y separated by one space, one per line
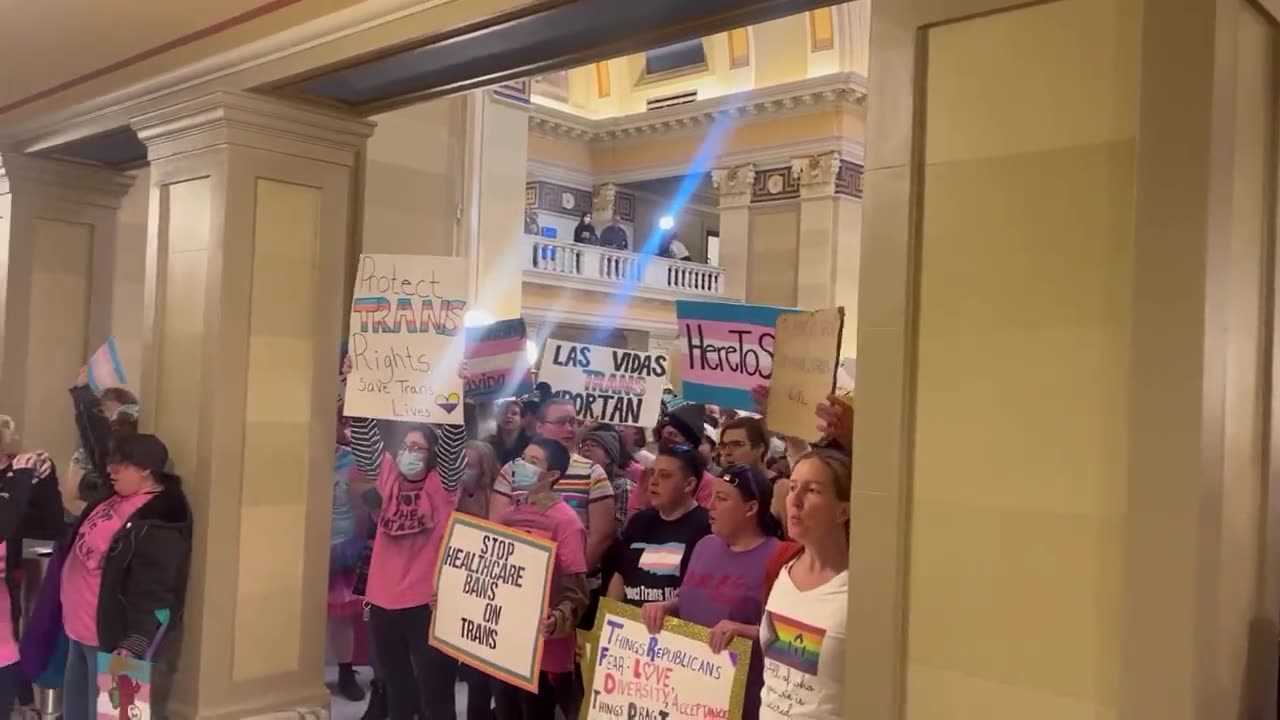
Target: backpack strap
781 557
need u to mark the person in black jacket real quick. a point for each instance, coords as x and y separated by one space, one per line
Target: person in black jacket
125 579
30 508
585 232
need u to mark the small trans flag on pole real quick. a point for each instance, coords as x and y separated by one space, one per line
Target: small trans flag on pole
104 369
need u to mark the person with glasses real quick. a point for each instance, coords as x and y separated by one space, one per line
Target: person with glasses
745 441
658 541
723 589
418 485
584 486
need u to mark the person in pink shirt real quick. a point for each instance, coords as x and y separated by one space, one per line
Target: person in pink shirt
124 581
537 509
419 490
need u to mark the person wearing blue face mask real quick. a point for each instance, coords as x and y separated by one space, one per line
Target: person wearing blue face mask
418 485
536 508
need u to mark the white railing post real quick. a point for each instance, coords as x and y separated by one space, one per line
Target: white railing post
627 270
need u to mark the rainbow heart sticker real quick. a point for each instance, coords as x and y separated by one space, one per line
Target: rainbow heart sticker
448 403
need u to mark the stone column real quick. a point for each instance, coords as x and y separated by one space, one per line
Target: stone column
497 163
735 185
830 240
248 234
57 249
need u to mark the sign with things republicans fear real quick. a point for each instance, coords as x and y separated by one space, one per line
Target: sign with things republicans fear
622 387
407 339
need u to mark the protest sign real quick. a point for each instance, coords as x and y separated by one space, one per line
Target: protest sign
104 369
622 387
497 362
124 688
726 349
407 339
631 674
808 347
498 582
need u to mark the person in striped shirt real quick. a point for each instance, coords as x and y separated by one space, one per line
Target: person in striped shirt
585 487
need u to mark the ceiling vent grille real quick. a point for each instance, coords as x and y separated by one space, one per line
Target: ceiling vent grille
667 101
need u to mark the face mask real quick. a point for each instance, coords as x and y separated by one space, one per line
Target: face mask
523 475
131 410
411 464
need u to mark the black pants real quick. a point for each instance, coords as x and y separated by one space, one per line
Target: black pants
416 674
557 690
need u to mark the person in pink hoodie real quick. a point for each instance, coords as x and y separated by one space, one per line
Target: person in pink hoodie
418 484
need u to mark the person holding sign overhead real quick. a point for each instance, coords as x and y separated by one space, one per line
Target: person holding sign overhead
723 588
658 542
536 508
419 490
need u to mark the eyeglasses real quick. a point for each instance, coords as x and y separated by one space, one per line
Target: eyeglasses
680 447
414 448
562 422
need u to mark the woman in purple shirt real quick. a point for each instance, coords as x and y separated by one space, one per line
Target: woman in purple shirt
723 588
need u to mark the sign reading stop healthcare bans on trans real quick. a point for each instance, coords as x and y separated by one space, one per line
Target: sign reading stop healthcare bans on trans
726 349
407 339
622 387
493 585
632 674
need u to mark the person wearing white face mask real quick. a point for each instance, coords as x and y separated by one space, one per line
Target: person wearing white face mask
419 490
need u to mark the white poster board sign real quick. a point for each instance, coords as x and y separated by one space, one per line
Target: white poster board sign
407 339
674 674
493 584
622 387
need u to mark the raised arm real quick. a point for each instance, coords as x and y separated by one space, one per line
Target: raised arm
366 446
92 426
450 457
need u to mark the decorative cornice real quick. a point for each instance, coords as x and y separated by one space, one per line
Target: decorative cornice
63 180
552 172
232 118
809 94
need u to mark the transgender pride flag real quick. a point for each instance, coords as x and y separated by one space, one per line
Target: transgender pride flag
124 688
726 349
104 369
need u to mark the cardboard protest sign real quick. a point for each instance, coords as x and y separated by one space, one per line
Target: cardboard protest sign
407 339
497 364
629 673
104 369
808 347
498 583
726 349
623 387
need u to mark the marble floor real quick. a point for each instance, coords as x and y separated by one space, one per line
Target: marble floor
340 709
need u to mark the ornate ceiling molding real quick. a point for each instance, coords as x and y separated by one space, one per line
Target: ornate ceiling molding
801 96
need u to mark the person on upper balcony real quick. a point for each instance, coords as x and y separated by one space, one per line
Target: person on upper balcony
674 249
614 236
585 232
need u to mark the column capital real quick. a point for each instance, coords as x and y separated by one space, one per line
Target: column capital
602 200
817 174
734 184
253 121
74 182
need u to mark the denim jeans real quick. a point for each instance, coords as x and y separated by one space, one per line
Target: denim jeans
80 686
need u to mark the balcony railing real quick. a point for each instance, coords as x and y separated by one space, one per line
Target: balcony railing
623 270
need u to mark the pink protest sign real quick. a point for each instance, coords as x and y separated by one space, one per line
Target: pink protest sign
726 349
